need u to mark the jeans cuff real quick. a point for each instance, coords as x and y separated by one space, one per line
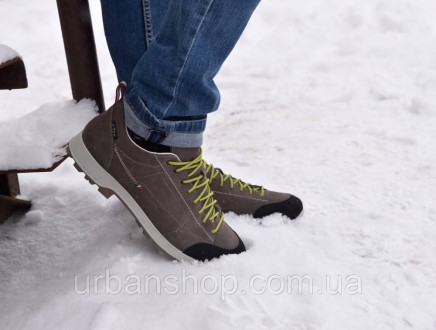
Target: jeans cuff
164 132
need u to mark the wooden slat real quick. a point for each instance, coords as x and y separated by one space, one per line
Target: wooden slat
35 170
13 74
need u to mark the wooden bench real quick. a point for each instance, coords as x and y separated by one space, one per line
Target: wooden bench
12 76
81 54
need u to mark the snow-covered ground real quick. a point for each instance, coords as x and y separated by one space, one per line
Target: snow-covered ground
331 100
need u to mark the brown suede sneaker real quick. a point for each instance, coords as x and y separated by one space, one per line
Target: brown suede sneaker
168 193
234 195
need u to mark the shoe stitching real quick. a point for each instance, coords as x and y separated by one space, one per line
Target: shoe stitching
188 232
181 225
163 206
148 175
111 141
186 220
246 197
129 174
169 188
190 210
135 161
141 177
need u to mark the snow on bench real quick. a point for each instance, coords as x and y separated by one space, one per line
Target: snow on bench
7 54
38 139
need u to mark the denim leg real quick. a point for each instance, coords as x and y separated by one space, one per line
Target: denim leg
124 28
171 89
128 29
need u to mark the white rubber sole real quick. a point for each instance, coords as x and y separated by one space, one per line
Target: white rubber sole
108 186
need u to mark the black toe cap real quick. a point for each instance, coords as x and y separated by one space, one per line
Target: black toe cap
204 251
291 207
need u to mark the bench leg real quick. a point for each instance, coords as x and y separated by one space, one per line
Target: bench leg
9 189
78 36
76 25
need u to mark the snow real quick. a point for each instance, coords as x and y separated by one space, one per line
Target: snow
7 53
37 140
331 100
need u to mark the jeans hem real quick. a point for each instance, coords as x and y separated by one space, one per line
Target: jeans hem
181 134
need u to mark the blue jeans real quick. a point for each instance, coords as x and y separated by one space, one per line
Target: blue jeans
168 53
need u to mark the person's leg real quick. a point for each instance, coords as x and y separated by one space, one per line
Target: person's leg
171 89
131 32
128 29
166 190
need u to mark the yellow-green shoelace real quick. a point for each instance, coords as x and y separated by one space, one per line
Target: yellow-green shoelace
199 181
213 173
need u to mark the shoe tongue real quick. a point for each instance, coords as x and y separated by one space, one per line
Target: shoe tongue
186 154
